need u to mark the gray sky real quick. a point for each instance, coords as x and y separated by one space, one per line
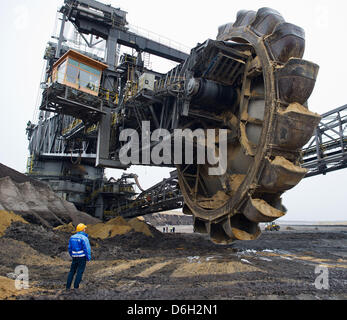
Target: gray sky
26 27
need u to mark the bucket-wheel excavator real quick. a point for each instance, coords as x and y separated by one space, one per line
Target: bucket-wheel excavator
251 82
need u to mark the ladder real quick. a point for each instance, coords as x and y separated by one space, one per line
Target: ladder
147 60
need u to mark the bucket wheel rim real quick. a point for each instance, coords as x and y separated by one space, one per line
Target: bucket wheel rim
262 31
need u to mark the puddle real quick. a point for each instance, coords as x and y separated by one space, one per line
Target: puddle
264 259
246 261
193 259
287 258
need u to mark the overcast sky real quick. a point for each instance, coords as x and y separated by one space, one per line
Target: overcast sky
26 27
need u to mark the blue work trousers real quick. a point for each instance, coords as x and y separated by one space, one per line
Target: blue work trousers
78 265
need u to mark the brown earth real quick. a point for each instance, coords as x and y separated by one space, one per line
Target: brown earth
133 265
133 260
36 202
6 219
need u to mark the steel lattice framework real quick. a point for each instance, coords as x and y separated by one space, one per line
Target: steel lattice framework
327 149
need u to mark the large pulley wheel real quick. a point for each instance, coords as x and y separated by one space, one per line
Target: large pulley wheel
267 126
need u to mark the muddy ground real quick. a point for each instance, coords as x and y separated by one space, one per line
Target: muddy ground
279 265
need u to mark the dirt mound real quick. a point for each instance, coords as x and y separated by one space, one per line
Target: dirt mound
109 229
15 252
18 177
66 228
44 240
114 227
6 219
38 204
25 242
140 226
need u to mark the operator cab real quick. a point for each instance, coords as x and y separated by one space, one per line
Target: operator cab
78 71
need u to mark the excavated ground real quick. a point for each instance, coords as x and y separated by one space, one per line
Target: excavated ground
133 260
133 265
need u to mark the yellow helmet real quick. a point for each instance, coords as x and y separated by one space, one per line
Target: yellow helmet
80 227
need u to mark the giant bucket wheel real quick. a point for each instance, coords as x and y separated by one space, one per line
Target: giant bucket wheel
267 129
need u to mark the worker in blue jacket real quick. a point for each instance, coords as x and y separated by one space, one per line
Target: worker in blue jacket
79 250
